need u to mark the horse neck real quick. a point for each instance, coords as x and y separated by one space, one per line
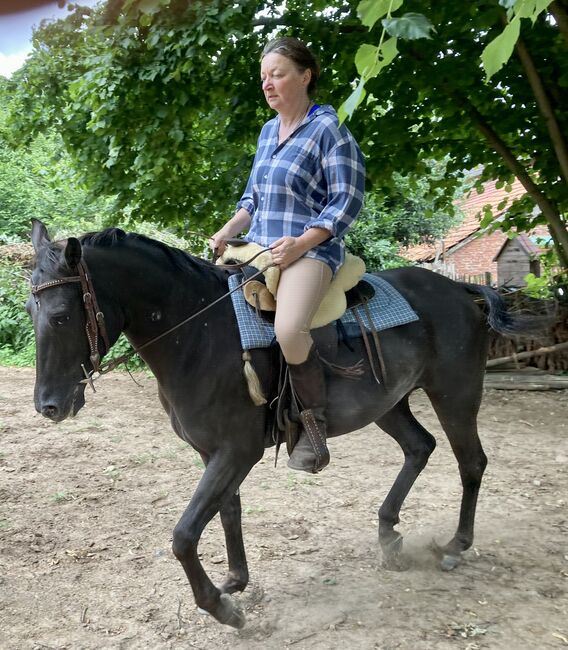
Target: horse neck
148 292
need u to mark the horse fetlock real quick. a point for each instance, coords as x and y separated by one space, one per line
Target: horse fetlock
234 582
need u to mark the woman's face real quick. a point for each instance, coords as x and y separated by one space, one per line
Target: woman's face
285 87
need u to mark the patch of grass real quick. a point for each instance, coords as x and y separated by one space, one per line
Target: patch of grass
197 461
145 457
112 472
4 524
291 481
61 495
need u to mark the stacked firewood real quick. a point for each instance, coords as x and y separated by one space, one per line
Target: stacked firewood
554 334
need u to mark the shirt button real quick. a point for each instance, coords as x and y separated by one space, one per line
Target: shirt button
274 156
262 198
265 175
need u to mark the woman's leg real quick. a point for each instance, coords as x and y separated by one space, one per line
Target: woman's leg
301 289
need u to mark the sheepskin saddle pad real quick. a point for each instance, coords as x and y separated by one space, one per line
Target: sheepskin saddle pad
262 295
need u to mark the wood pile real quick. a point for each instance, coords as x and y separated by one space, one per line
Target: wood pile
555 334
19 253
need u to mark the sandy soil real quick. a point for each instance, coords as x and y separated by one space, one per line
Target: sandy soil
88 507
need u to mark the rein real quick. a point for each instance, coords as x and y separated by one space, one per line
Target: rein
95 321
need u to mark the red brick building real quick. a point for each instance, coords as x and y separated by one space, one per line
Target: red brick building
467 253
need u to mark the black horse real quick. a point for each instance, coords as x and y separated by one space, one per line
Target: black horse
144 288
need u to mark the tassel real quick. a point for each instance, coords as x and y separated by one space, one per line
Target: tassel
253 382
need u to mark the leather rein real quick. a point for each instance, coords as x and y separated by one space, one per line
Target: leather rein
95 324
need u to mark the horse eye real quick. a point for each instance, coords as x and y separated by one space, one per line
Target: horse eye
60 319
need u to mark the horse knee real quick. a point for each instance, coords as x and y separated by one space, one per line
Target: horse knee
183 542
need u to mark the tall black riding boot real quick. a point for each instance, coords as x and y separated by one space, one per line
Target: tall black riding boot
308 382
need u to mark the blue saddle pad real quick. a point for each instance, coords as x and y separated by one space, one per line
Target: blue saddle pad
387 308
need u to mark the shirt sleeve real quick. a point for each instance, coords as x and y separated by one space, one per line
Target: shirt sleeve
247 201
344 172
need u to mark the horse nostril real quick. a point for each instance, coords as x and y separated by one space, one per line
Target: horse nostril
50 411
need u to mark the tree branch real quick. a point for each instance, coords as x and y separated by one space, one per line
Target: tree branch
545 107
560 13
548 209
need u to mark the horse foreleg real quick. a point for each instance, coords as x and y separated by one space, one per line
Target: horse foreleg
216 491
417 445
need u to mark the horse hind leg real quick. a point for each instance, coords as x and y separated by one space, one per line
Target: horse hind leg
238 576
417 445
230 513
458 417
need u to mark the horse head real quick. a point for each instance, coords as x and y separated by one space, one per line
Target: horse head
67 346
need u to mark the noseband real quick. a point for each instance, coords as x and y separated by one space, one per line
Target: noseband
95 325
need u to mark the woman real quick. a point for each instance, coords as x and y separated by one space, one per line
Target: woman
304 191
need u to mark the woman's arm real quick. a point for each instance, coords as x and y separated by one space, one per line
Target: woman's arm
239 222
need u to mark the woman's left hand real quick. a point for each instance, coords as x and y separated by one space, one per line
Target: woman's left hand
286 251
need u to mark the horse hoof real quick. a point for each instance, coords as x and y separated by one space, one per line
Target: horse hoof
449 562
393 558
395 562
230 613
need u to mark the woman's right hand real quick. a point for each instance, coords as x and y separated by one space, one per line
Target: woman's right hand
218 243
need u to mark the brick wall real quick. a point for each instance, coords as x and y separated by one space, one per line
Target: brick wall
476 256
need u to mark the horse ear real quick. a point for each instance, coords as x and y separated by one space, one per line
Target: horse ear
39 235
73 252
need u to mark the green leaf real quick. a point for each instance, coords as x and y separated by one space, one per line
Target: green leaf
530 8
499 51
410 26
350 104
370 60
151 6
365 58
369 11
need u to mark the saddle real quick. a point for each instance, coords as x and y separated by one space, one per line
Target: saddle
258 296
261 294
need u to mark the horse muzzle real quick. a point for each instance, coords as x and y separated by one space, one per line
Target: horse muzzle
58 410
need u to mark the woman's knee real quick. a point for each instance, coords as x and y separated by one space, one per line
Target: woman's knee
288 334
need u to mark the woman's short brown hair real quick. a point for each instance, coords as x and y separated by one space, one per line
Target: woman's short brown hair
299 53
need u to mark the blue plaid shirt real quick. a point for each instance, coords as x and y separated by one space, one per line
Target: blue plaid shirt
315 179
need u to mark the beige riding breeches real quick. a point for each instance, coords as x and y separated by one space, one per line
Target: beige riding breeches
301 289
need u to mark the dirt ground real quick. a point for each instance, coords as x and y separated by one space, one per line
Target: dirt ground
88 507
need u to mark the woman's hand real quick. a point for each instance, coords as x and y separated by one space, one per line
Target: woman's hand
287 250
218 243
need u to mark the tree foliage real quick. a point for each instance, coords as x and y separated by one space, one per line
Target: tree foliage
159 100
38 181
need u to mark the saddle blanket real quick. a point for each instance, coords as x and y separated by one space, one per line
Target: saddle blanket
387 308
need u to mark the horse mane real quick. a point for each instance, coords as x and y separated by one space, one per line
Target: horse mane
111 237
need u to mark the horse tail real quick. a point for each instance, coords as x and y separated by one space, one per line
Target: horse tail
504 320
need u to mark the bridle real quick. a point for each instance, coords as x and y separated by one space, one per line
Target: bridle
95 324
